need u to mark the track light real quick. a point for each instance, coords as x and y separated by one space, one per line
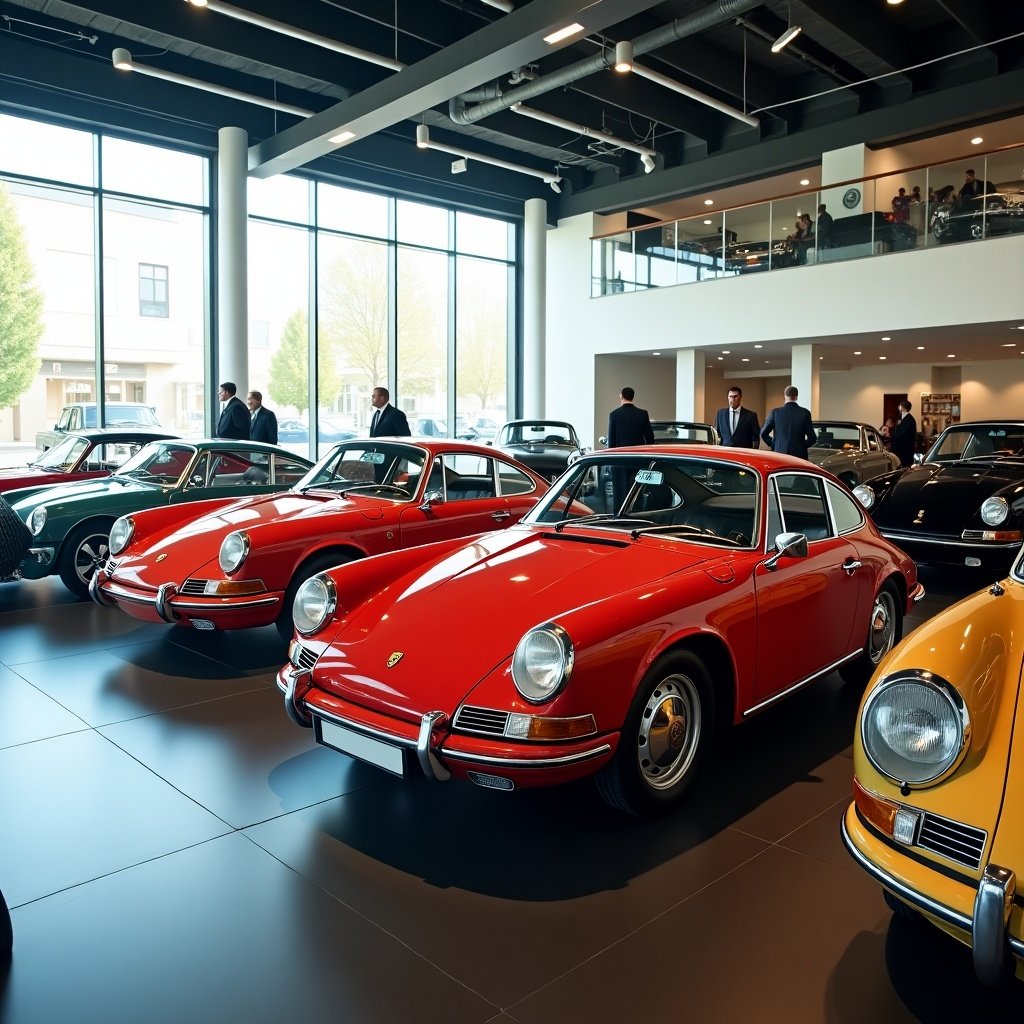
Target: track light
623 56
555 187
422 136
648 161
459 166
786 38
123 61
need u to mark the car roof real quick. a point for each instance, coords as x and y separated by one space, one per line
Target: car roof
434 445
842 423
222 443
538 422
755 458
128 433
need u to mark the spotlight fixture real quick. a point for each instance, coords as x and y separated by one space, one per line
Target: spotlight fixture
623 56
555 187
792 31
422 137
648 161
459 166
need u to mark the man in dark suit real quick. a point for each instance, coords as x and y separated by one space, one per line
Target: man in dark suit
788 428
387 420
628 424
736 426
904 435
234 418
262 421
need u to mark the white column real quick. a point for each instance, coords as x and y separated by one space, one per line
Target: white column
690 385
232 298
805 377
846 164
535 226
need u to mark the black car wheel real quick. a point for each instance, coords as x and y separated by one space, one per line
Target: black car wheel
901 909
83 551
307 571
666 736
885 627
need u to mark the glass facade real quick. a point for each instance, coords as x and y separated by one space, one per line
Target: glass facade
348 290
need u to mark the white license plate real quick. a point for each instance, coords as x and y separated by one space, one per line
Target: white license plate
365 748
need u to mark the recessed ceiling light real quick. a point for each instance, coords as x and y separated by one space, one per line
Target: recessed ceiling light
885 337
342 137
726 352
883 358
894 3
951 355
563 33
655 353
707 222
709 202
920 348
1009 344
767 361
858 353
977 140
744 360
759 346
805 181
720 358
1021 328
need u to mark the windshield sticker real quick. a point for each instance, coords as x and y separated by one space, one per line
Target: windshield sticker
650 476
377 458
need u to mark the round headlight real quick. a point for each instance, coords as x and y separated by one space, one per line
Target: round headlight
234 549
915 728
120 534
542 663
994 511
864 494
37 520
315 603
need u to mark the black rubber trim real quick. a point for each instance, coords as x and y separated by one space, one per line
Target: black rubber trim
588 539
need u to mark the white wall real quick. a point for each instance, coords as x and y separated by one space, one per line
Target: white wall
937 287
652 378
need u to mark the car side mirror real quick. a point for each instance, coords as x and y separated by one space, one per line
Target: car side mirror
789 545
432 498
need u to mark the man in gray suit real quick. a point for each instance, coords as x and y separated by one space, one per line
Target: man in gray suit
788 428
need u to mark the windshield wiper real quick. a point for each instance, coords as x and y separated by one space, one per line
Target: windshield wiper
606 517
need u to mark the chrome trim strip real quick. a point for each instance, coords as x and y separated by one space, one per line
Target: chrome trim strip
803 682
295 713
163 601
992 908
916 538
241 603
44 556
539 762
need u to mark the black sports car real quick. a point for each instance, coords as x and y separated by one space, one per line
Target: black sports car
544 445
963 505
998 211
682 432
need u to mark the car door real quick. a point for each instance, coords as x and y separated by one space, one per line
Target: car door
470 503
806 607
874 460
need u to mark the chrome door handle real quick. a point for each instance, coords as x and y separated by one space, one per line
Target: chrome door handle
851 565
498 516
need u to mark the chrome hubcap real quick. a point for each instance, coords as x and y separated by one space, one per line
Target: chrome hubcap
883 627
669 731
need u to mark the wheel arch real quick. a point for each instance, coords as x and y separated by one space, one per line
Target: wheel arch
713 652
89 522
330 550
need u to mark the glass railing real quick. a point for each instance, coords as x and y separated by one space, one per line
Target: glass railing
910 209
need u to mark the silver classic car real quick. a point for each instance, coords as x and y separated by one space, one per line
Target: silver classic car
854 452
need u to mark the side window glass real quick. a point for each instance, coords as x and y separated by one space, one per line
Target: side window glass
802 498
199 472
774 515
513 480
874 445
287 471
846 511
468 477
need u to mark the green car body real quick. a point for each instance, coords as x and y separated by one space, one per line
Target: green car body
70 523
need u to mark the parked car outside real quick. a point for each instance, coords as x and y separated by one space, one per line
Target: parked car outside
70 523
601 641
241 565
938 811
854 452
79 455
292 431
546 446
963 505
83 415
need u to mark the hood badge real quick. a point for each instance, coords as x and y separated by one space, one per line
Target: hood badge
160 558
395 658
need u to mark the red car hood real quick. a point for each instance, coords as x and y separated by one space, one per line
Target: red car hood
28 476
270 519
456 620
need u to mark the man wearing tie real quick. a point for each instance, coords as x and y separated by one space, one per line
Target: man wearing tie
387 420
789 428
736 426
262 422
234 419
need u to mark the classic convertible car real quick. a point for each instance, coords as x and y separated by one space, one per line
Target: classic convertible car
71 523
854 452
240 565
963 505
938 779
626 634
683 432
81 455
546 446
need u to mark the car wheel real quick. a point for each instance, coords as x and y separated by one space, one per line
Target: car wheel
83 551
901 909
977 229
666 736
885 627
6 931
305 572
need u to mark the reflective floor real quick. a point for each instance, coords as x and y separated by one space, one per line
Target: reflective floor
174 849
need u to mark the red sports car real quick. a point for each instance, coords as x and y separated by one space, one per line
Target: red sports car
240 565
608 633
82 455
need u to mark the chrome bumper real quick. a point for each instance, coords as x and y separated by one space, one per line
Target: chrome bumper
44 556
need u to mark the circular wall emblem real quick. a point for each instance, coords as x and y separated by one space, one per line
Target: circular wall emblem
851 197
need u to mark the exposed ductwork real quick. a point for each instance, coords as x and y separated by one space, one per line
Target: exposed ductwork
688 25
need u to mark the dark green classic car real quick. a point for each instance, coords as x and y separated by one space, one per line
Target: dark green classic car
70 523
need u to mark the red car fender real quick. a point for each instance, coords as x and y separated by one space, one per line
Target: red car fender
152 523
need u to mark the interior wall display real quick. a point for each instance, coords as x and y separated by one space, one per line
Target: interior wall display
938 411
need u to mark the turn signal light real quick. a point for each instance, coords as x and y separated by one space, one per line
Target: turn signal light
881 813
534 727
233 588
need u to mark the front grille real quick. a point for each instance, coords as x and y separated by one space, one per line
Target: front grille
197 588
481 720
302 657
951 839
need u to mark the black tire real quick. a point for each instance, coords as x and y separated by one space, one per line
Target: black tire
83 551
885 628
665 738
303 573
901 909
6 931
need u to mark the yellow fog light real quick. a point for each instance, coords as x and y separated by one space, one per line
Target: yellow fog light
535 727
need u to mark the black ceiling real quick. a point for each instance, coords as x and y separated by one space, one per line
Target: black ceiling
861 70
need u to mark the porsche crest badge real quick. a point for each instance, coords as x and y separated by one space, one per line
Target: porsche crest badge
396 657
160 558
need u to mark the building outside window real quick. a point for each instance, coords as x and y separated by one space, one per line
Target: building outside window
153 300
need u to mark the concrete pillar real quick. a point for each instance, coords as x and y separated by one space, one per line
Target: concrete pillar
535 226
232 298
690 385
805 377
846 164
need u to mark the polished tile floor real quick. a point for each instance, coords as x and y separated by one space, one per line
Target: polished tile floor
174 850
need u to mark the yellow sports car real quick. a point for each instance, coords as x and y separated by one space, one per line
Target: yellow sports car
938 810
